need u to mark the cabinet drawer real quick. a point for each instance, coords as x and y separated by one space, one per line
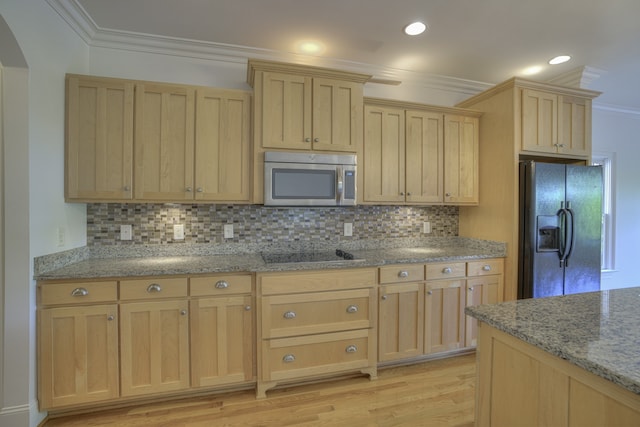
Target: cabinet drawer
402 273
314 281
288 358
77 292
153 288
485 267
311 313
220 285
445 270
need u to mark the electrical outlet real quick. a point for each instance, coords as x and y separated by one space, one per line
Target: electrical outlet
125 232
348 229
426 227
228 231
178 231
61 236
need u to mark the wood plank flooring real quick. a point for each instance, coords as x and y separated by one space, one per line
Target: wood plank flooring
433 393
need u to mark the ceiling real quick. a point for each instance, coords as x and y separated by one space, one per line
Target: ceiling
486 41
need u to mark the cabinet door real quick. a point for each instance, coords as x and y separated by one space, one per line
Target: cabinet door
337 115
539 121
164 142
221 341
461 148
444 315
286 111
222 155
481 290
401 321
77 355
99 140
384 173
574 126
424 157
154 347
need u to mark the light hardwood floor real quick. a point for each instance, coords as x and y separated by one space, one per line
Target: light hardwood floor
433 393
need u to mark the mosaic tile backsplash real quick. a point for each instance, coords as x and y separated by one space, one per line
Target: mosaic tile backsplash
153 223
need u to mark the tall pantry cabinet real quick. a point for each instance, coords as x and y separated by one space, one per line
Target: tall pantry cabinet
522 119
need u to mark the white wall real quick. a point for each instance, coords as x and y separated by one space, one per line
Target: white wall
619 133
33 100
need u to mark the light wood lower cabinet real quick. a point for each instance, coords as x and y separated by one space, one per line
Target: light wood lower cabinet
444 315
315 324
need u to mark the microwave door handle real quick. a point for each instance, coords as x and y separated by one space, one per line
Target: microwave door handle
340 186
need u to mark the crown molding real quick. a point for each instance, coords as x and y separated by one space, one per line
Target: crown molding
616 109
76 17
580 77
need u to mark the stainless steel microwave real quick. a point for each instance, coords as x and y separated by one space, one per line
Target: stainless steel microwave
308 179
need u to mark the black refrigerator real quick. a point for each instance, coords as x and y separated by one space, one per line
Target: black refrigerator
560 229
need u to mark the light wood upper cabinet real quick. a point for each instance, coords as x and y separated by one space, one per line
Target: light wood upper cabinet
461 148
555 124
164 144
337 115
417 154
99 139
222 149
77 355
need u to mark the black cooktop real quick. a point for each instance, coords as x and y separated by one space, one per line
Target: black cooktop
292 257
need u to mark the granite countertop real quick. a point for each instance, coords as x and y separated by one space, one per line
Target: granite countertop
597 331
185 260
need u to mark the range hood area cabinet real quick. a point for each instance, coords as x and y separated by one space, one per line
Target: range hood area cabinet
187 143
419 154
521 119
298 107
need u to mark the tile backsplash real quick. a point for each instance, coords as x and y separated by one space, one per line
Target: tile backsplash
153 223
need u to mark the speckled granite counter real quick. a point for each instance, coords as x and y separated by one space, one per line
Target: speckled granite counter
128 261
597 331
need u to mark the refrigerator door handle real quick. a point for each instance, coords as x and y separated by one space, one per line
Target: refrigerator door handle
572 234
563 250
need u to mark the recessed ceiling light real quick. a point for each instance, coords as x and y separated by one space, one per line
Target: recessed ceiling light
559 59
415 28
310 47
529 71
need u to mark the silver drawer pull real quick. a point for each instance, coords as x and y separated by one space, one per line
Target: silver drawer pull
154 287
486 267
110 317
351 349
447 270
222 284
352 309
403 274
429 292
384 297
79 292
247 308
288 358
183 312
289 315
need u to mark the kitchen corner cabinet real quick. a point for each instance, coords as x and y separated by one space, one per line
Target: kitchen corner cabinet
484 286
314 324
99 138
521 119
418 154
77 344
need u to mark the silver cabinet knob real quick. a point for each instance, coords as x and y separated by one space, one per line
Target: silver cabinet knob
154 287
222 284
288 358
183 312
289 315
199 189
471 289
352 309
110 317
189 189
79 292
402 193
429 292
447 270
448 194
316 139
307 140
403 274
351 349
247 308
384 297
127 188
408 194
486 267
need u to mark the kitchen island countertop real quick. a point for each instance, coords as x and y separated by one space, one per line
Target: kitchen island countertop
597 331
150 262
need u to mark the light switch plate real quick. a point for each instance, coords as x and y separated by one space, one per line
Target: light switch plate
348 229
426 227
178 231
125 232
228 231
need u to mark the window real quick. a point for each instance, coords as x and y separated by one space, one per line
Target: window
607 161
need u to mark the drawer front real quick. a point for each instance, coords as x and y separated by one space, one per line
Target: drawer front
314 281
153 288
485 267
77 292
288 358
402 273
312 313
446 270
220 285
